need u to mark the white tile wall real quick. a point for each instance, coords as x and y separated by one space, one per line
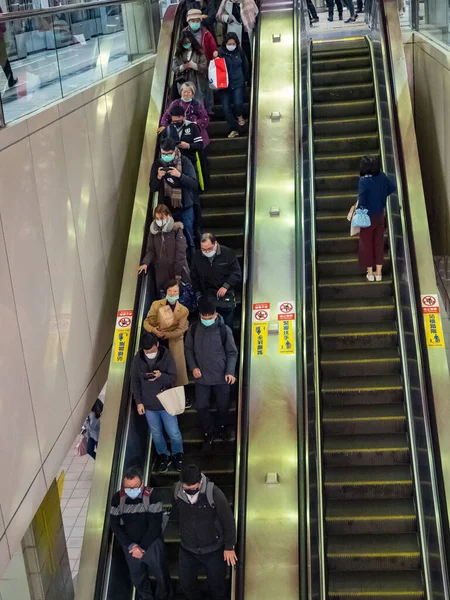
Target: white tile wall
66 191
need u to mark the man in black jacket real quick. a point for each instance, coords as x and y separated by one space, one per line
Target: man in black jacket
207 532
173 177
153 370
215 272
185 133
136 521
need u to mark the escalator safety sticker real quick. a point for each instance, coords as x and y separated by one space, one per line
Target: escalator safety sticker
260 332
432 319
286 344
261 312
122 335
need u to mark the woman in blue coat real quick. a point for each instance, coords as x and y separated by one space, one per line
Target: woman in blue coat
232 98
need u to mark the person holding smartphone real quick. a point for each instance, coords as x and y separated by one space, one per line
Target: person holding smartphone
153 370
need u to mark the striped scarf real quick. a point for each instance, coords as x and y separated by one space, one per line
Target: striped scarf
174 193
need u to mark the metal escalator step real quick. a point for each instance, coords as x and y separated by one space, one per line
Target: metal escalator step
227 162
218 129
353 286
352 336
391 552
219 468
347 161
377 482
393 585
341 200
195 436
339 47
346 143
355 310
365 450
218 217
223 198
341 264
343 109
234 238
342 76
361 363
363 419
332 181
225 145
370 516
362 390
351 61
340 93
219 114
228 180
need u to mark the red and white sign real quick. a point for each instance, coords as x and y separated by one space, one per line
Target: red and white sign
430 304
124 318
261 312
286 311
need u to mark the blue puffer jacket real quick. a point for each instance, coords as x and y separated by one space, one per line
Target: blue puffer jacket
237 67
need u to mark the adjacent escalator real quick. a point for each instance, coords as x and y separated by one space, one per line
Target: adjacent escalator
371 538
223 213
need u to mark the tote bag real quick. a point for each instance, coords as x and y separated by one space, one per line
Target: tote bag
173 400
218 74
361 218
82 446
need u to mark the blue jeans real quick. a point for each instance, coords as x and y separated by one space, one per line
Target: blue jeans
156 419
187 218
232 98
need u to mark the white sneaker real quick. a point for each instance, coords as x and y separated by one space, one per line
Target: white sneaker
370 277
378 277
233 134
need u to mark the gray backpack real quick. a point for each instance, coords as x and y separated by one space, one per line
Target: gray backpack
209 492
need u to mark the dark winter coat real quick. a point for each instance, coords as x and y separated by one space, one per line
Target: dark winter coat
237 67
166 250
188 182
190 134
204 528
207 352
145 391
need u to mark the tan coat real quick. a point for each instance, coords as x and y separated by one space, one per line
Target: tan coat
174 333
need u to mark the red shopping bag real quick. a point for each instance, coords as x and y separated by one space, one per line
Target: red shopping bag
218 74
82 446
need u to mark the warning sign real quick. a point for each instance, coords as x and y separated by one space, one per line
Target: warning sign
286 307
260 332
430 304
122 335
261 312
286 344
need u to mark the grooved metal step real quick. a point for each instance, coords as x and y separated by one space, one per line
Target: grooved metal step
364 419
357 310
359 449
360 483
366 390
370 586
370 516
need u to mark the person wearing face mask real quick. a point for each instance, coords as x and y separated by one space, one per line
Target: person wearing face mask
211 355
206 40
232 98
215 272
194 111
186 134
208 11
136 517
168 320
240 18
207 534
173 177
166 250
153 370
189 64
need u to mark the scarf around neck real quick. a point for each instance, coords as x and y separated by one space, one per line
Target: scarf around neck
174 193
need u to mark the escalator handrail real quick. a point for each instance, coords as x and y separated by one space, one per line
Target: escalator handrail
242 430
171 22
402 192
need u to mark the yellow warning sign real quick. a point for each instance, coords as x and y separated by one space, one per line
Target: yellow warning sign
433 330
260 332
121 341
286 344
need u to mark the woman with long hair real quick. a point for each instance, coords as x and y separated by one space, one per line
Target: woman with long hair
189 64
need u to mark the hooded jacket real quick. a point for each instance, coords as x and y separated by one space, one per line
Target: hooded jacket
204 528
207 353
144 390
166 250
189 133
188 183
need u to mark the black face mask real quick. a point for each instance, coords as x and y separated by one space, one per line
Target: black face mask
192 492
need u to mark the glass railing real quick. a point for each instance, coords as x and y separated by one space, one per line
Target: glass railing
48 54
430 17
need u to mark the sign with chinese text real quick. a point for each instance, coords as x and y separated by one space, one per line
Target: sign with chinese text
432 320
260 332
122 335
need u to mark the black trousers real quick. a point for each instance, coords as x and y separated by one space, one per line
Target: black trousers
227 314
216 571
202 399
312 9
359 6
153 563
330 5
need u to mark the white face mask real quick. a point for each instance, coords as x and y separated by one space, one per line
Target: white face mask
160 222
151 354
230 48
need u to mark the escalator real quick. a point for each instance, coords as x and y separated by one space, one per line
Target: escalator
223 213
125 436
372 547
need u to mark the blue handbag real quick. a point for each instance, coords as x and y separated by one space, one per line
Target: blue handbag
361 218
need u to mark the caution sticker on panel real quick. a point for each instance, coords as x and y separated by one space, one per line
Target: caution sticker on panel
286 344
122 335
260 333
432 320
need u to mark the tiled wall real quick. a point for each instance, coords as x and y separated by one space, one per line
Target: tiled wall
67 178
